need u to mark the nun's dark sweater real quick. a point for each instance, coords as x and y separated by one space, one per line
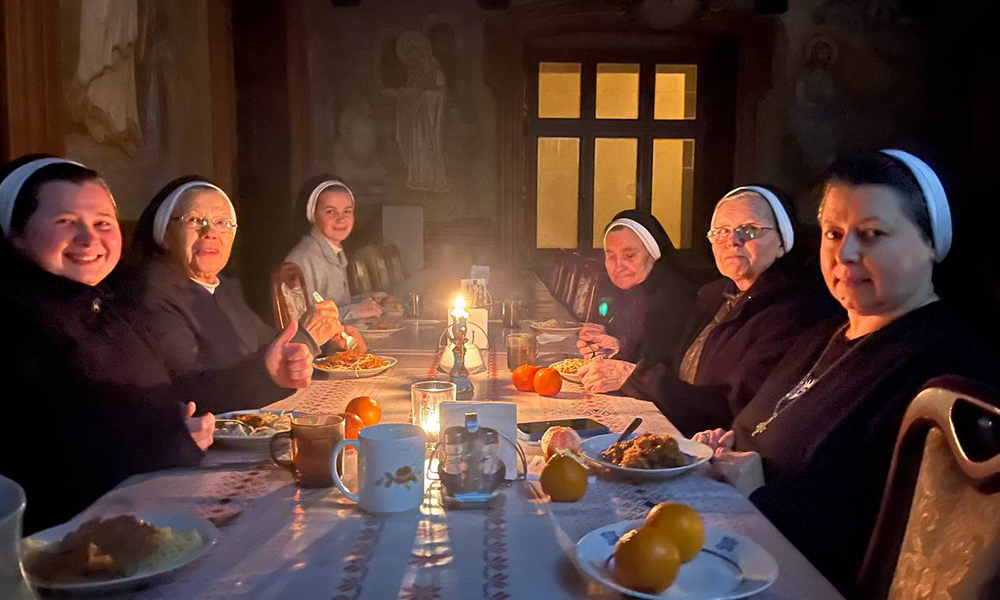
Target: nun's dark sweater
89 400
826 456
741 351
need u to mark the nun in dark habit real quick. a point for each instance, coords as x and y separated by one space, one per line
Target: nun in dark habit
194 312
744 321
816 441
650 306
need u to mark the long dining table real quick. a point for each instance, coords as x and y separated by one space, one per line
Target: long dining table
278 540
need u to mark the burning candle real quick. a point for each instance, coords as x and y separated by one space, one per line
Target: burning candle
427 397
459 312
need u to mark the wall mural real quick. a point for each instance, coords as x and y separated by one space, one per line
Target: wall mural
420 114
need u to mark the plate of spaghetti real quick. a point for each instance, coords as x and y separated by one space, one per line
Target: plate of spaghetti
350 365
568 368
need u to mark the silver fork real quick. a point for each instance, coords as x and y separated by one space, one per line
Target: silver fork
348 338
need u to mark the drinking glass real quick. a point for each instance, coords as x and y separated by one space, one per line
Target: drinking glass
521 350
426 397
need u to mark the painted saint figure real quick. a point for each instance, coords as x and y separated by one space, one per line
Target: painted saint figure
420 114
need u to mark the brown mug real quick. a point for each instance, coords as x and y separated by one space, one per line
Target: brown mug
313 439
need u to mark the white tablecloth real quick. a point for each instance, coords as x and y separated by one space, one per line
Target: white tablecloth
282 541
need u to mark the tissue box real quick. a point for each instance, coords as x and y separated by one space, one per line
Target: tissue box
501 416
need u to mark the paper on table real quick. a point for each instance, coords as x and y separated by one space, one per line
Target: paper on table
501 416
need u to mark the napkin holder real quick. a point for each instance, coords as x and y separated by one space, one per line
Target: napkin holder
501 416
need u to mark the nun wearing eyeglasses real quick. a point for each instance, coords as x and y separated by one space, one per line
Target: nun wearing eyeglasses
745 321
197 314
649 307
329 208
814 445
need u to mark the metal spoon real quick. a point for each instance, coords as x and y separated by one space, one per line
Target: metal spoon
629 430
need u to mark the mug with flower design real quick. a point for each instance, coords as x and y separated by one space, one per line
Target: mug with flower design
390 467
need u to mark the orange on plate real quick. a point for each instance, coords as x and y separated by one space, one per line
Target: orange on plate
682 524
366 408
564 479
646 560
352 425
547 382
523 378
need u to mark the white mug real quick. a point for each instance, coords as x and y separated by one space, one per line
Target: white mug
390 467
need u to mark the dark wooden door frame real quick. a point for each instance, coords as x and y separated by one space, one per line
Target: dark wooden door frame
507 38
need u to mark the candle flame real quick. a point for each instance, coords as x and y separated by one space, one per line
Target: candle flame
459 302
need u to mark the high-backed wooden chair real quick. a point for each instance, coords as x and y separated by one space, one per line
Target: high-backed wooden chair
359 278
583 296
378 269
569 284
288 294
395 262
938 530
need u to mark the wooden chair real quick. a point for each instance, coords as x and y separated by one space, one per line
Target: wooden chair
378 268
395 262
359 279
938 530
583 297
569 285
288 294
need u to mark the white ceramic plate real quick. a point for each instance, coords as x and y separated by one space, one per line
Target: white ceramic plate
176 521
246 441
563 330
354 374
698 452
570 377
729 566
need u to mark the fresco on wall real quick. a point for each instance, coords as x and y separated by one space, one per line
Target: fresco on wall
411 72
137 89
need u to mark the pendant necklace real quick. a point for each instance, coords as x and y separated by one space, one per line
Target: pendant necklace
807 382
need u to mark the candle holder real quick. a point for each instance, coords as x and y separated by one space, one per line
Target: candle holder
459 375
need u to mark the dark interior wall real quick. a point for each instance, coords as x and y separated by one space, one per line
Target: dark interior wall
356 80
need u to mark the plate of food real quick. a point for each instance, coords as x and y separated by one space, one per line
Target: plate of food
379 327
728 567
350 365
556 326
568 368
251 428
646 456
115 553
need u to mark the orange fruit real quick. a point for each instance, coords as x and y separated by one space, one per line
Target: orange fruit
682 524
547 382
523 378
352 425
366 408
564 479
646 560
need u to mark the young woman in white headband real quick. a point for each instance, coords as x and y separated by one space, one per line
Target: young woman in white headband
91 378
329 209
819 434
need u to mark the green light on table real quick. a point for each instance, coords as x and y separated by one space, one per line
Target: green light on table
602 309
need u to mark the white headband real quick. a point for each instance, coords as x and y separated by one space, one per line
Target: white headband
11 186
162 218
314 196
784 223
645 237
935 198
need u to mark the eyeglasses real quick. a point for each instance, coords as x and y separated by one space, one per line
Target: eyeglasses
196 223
746 231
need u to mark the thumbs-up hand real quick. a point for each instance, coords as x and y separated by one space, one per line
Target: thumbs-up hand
288 364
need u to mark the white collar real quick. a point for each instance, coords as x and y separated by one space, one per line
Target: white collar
208 286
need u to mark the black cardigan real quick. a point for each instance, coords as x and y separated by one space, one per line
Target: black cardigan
740 352
649 319
826 457
89 400
195 330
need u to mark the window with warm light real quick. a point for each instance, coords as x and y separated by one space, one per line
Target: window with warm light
608 136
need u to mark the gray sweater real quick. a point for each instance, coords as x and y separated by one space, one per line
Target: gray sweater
325 271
